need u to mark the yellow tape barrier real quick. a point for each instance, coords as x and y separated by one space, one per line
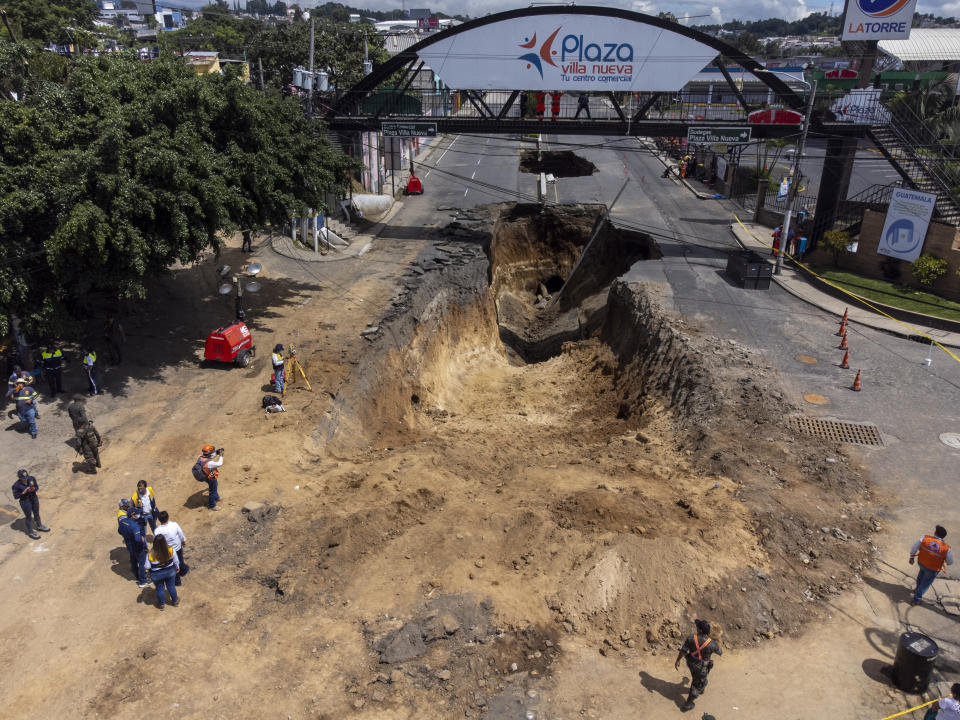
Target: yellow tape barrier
855 298
888 717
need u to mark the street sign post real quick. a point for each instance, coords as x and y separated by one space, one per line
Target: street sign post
711 135
408 129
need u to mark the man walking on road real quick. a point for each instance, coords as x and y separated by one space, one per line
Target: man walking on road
697 649
930 552
77 410
88 443
25 490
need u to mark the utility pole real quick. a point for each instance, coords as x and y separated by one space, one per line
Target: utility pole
260 65
310 91
795 181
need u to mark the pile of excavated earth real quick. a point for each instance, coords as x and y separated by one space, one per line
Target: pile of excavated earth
522 456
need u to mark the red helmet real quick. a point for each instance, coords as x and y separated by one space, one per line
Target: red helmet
207 450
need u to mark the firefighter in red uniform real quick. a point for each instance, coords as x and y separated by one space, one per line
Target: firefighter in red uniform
930 552
555 104
541 104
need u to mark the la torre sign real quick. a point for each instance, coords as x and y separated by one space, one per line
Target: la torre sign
878 19
568 52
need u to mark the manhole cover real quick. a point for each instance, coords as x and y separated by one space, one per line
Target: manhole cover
808 359
831 429
950 440
815 399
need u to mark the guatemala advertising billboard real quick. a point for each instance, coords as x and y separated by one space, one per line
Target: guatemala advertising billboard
878 19
567 52
905 227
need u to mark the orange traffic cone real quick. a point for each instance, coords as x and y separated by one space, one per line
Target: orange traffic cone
856 381
845 363
844 315
843 340
843 327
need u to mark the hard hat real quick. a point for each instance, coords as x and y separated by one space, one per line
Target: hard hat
125 502
23 474
208 449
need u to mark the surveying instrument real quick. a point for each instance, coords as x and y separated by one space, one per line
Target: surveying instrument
293 367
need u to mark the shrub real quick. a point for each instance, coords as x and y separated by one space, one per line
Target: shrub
835 242
927 269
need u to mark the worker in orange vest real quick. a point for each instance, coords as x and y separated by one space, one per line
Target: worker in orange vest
541 104
555 103
930 552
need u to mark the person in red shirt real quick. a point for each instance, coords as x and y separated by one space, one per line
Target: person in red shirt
555 104
541 104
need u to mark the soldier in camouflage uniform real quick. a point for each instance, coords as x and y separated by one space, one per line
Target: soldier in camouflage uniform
697 650
88 442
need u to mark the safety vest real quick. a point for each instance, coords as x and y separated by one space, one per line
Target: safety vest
51 360
698 648
933 551
156 566
139 503
277 360
26 393
204 461
90 359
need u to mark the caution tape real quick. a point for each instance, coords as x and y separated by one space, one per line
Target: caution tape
855 298
904 712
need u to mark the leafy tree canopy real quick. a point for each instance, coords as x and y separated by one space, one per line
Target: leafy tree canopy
48 20
127 167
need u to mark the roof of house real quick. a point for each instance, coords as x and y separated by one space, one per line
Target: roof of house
925 44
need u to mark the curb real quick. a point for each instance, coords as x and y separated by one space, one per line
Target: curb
901 333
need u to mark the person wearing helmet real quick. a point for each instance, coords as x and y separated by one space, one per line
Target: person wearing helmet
277 360
208 465
132 531
25 490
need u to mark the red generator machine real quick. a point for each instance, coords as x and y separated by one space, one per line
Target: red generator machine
414 186
230 344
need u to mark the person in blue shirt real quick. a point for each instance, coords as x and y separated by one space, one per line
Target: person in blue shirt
26 398
132 531
25 490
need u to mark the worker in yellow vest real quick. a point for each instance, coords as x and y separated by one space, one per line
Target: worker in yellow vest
930 552
51 360
90 365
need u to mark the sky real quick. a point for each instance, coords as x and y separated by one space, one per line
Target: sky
707 11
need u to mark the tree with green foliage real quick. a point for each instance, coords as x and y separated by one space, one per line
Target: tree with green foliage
129 167
927 269
835 242
48 20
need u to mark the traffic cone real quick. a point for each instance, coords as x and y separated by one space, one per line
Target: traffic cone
845 364
844 319
856 381
843 327
843 340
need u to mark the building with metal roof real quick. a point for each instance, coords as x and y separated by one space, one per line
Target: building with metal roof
925 49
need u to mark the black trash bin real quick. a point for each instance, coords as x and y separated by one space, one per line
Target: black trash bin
913 664
749 270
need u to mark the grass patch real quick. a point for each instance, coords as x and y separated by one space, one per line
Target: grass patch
886 292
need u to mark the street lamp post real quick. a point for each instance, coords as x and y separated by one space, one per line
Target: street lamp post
794 174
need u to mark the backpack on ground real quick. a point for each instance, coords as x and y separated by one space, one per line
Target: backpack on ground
198 474
269 400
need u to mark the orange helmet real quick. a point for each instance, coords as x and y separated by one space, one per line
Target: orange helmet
207 450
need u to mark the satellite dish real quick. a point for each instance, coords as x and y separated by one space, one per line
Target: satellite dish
254 268
223 270
225 288
253 286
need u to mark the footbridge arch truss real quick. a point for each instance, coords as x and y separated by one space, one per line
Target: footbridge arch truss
644 75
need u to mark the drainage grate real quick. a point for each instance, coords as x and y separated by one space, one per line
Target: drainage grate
831 429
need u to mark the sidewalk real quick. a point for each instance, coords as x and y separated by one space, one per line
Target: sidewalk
753 236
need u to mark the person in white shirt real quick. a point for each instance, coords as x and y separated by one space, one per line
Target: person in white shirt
947 708
175 540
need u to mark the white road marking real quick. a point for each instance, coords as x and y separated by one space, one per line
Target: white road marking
478 161
466 191
474 175
446 151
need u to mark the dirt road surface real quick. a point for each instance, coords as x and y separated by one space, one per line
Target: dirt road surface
447 531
